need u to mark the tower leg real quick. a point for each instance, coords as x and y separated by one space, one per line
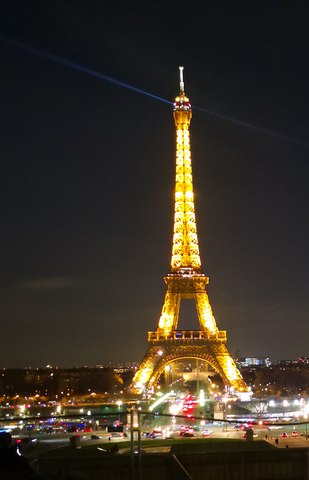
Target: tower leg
170 312
230 369
204 312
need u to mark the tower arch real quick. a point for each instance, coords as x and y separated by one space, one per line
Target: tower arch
207 358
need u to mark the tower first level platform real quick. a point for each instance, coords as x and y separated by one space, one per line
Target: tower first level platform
186 280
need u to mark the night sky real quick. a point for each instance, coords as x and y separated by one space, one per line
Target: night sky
88 168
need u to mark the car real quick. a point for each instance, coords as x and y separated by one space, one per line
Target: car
206 433
188 434
294 433
237 427
183 432
155 434
94 437
190 429
245 435
303 434
142 451
26 440
284 435
116 434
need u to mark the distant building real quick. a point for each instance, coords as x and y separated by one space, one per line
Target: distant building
254 362
304 360
120 367
284 363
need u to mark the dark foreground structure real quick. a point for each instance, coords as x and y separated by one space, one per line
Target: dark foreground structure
183 462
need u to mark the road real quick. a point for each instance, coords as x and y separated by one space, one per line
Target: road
47 442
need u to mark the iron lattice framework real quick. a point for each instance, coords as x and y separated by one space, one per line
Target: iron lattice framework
186 280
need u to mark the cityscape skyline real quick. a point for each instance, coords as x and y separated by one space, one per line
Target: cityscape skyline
242 362
88 178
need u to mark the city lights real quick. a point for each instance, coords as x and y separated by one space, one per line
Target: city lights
175 409
160 400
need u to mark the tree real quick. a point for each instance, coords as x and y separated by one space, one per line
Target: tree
259 409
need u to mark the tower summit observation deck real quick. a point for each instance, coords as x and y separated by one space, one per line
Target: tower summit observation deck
186 280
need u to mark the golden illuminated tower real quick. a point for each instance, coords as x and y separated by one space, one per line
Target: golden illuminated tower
186 280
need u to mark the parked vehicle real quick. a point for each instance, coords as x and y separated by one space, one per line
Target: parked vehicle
245 435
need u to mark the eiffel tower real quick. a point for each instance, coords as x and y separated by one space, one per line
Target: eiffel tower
186 280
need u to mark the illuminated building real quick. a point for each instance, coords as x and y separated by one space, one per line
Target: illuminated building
186 280
253 362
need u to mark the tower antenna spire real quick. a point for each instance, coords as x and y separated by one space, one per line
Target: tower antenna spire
182 83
